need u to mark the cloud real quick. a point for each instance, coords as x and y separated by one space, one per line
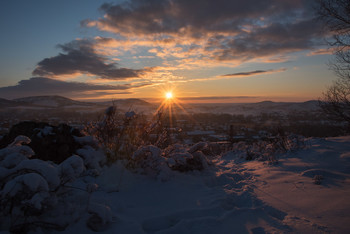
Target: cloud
188 16
80 57
253 73
46 86
275 38
321 52
214 29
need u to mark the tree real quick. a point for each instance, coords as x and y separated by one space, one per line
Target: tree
336 16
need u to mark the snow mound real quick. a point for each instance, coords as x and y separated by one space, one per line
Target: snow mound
47 170
148 160
31 185
180 158
71 168
47 130
38 194
16 152
93 159
196 147
20 140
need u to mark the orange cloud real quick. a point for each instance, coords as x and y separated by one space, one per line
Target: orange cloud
321 52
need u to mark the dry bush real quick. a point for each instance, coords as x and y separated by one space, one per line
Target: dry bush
122 134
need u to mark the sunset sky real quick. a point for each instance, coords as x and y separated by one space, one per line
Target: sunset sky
205 51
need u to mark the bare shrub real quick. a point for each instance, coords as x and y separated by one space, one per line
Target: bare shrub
122 134
269 150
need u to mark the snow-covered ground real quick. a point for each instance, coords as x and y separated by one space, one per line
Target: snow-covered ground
311 186
306 192
235 196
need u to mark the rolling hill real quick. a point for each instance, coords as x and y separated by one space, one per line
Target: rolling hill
51 101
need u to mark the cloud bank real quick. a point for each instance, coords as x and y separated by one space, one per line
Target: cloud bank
45 86
216 29
80 57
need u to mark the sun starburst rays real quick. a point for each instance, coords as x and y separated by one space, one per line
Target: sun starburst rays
171 105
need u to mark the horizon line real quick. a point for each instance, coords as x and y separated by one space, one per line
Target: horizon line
189 100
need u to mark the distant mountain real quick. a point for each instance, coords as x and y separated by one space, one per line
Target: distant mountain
61 102
312 104
7 103
256 108
296 106
51 101
133 101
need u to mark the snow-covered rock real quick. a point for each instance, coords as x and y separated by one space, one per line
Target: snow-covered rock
12 159
36 193
196 147
71 168
47 130
17 147
182 159
20 140
31 188
93 159
149 160
46 170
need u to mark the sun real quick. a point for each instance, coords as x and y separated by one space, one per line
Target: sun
169 95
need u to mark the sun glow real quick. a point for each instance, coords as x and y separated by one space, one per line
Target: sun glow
170 106
169 95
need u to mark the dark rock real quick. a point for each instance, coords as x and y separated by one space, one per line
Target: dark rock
53 143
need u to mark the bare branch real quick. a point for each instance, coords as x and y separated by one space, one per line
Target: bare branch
336 16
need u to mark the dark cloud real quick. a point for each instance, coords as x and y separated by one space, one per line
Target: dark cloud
256 72
46 86
80 57
176 16
243 29
277 38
